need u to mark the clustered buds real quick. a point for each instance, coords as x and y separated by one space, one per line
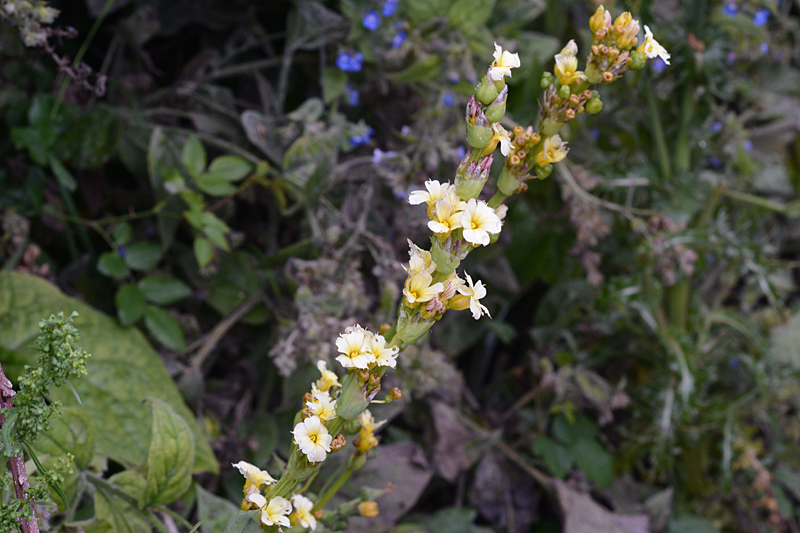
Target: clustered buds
31 19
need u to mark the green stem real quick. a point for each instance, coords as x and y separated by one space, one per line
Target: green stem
332 490
682 151
658 134
678 304
496 200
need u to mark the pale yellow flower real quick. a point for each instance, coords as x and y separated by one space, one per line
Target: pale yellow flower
352 344
383 356
367 421
322 406
566 69
329 379
302 511
446 218
434 191
478 220
499 134
553 151
503 62
313 439
418 288
254 476
419 260
651 48
475 293
274 512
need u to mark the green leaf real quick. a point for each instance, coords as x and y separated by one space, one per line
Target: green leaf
557 458
425 69
63 176
203 251
470 13
423 10
111 264
163 290
164 328
72 432
143 255
691 524
215 511
334 82
570 433
595 461
231 167
130 304
170 458
123 370
117 510
123 233
215 185
193 156
244 522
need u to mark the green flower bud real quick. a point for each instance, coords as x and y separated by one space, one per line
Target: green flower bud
594 106
354 397
495 111
486 91
541 173
564 91
479 131
547 80
470 178
593 74
507 183
549 127
637 60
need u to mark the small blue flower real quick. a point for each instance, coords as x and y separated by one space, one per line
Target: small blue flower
358 140
461 152
399 39
733 362
764 48
761 17
658 65
371 20
454 79
448 99
731 57
730 10
389 7
714 162
595 133
352 95
716 127
400 195
747 144
122 250
349 61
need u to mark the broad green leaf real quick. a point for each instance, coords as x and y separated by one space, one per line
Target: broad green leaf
216 511
130 304
164 328
244 522
215 185
470 13
557 458
595 461
64 177
118 510
230 167
143 255
111 264
423 10
193 156
123 232
425 69
123 370
203 251
333 83
170 458
570 433
163 290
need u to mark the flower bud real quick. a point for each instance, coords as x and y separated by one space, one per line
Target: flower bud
396 393
374 380
564 91
470 180
601 19
547 80
368 509
363 375
384 329
549 127
495 111
479 131
594 106
338 443
637 60
459 302
544 172
487 91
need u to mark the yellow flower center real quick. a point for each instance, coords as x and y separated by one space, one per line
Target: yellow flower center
472 225
313 438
